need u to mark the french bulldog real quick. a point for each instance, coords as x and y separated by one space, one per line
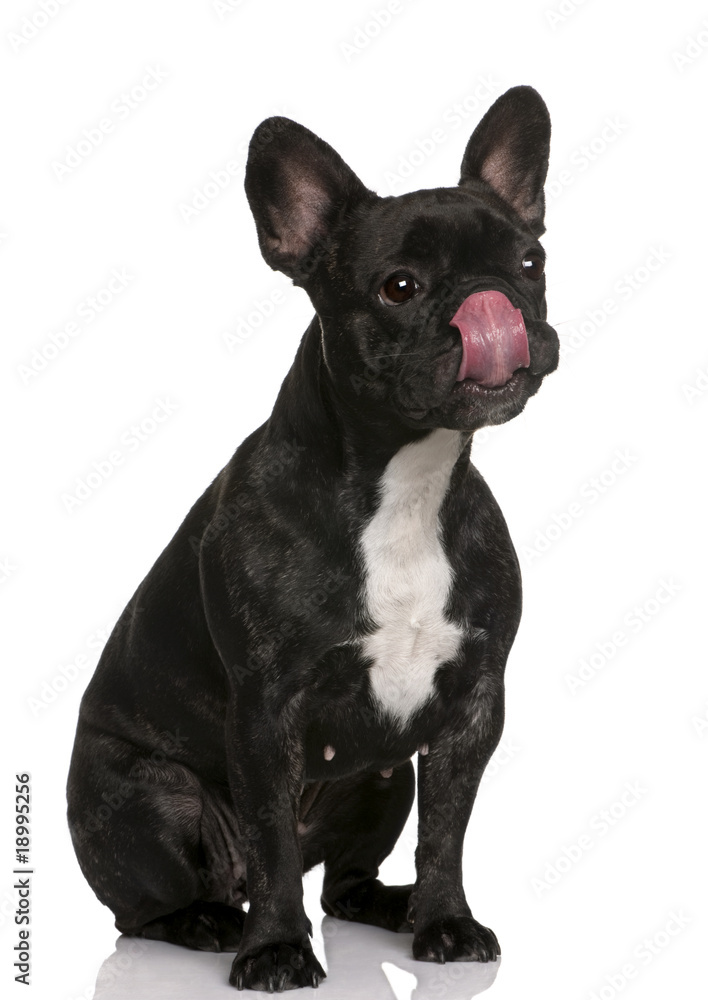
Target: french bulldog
345 593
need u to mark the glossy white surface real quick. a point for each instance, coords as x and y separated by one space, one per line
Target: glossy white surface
362 963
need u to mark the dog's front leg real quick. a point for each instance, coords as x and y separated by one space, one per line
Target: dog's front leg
448 779
265 773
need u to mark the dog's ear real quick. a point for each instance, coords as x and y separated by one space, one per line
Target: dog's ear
298 188
509 151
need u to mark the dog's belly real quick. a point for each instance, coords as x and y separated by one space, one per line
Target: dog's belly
335 751
408 577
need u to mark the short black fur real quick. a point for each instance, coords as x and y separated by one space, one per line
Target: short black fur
198 779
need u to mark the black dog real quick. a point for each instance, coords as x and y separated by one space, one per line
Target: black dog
345 593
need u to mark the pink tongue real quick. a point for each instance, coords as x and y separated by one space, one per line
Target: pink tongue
494 341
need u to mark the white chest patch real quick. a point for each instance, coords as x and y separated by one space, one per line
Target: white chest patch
408 577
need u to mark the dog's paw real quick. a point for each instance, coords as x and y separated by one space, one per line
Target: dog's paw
371 902
455 939
277 967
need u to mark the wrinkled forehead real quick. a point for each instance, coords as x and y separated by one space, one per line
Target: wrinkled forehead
448 226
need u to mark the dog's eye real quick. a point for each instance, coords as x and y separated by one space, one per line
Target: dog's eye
532 265
398 288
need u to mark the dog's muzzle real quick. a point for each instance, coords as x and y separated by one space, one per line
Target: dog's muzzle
494 340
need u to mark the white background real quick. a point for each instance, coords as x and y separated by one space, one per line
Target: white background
629 560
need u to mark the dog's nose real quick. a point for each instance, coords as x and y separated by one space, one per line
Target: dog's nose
494 340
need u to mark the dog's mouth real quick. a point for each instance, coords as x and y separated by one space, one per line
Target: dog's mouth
494 340
469 389
488 374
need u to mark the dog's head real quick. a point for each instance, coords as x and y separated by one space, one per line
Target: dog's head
432 304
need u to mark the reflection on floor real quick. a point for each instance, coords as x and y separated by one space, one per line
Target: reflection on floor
362 963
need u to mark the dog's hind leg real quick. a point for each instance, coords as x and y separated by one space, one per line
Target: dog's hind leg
352 825
202 925
158 848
